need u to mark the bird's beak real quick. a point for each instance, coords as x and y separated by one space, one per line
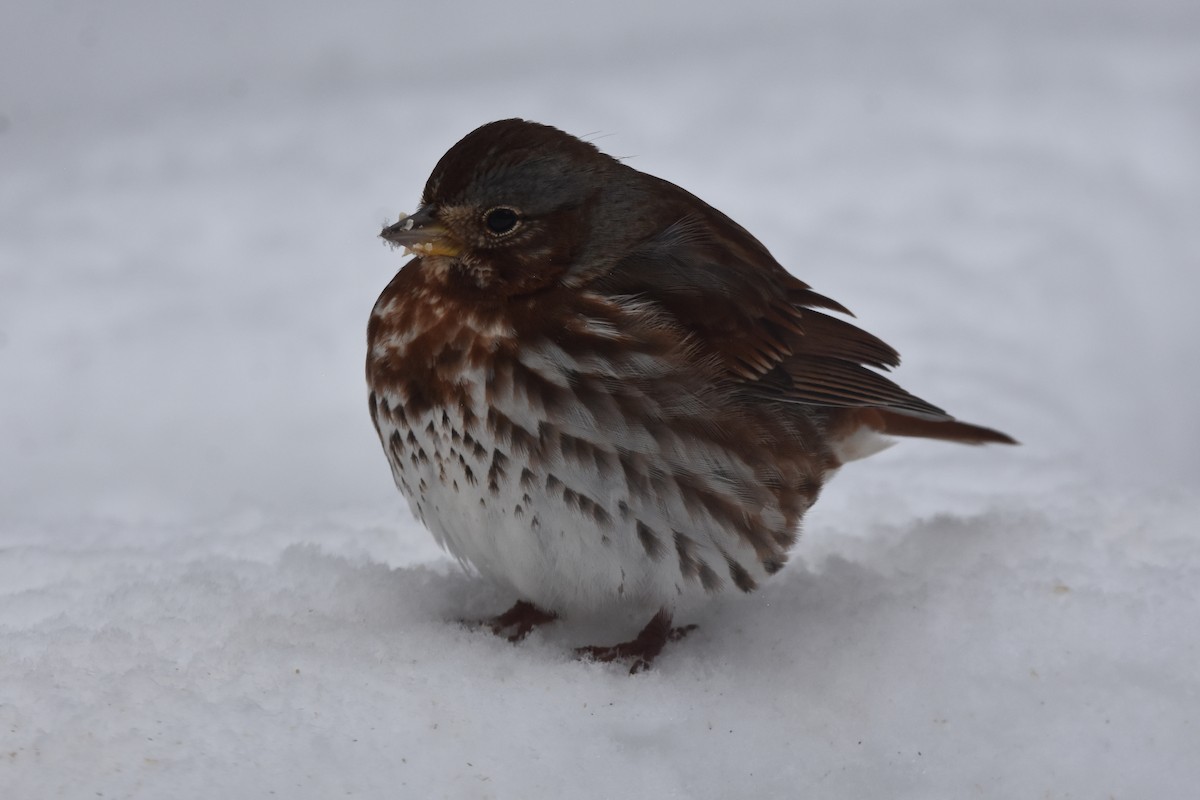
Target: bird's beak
421 234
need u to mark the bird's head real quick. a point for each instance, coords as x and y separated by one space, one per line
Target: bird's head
512 207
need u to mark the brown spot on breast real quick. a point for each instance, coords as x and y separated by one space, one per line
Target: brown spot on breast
586 505
546 397
709 579
527 479
572 498
423 336
497 472
741 578
580 451
650 541
736 516
685 548
517 439
398 416
635 479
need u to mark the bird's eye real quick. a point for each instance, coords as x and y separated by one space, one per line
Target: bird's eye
501 220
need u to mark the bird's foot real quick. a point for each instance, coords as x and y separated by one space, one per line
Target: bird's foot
643 648
517 623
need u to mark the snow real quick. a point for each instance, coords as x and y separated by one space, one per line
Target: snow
209 587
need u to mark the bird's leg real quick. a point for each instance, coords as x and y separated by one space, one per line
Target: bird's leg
516 623
643 648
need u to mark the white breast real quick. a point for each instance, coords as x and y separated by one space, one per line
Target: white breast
568 490
562 530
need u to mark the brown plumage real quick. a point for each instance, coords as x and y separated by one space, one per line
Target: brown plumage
600 391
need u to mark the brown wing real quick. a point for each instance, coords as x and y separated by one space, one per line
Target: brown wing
766 325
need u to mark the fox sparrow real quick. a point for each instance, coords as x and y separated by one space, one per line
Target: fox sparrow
601 392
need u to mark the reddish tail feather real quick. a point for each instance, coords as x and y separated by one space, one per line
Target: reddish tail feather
950 430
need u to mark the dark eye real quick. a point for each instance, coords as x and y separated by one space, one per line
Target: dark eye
501 220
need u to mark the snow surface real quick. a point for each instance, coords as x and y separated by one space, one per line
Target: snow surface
209 587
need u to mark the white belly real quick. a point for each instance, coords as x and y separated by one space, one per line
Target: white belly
555 536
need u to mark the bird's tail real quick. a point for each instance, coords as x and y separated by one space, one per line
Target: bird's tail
950 430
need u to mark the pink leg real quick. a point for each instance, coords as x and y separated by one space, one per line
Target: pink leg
516 623
643 648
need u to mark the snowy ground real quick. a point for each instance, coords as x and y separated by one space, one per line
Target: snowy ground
209 588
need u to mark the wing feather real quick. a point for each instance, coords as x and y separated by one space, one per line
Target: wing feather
768 327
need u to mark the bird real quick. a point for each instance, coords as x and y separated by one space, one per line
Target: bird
606 396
